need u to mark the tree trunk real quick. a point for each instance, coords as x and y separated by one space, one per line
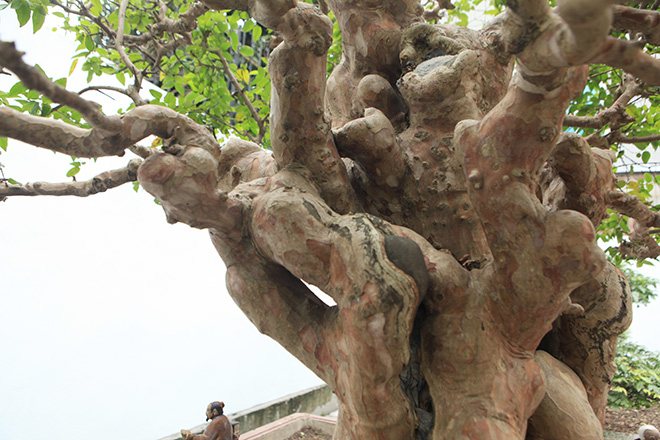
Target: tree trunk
427 189
445 243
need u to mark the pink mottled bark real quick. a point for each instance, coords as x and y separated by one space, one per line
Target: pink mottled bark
425 190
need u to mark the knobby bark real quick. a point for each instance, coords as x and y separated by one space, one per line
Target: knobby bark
424 187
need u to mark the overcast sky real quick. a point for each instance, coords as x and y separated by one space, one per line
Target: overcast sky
113 323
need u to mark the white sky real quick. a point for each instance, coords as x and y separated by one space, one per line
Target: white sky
112 321
114 324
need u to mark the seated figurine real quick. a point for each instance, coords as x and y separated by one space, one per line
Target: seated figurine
648 432
220 427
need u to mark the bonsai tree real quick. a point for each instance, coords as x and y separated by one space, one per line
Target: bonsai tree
426 185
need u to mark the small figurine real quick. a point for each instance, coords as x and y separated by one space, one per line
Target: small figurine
648 432
220 427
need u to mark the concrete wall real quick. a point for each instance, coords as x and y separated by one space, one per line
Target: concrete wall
318 401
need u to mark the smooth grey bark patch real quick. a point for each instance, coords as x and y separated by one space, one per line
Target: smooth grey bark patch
407 256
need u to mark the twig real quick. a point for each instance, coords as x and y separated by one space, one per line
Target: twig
614 115
253 111
119 42
635 139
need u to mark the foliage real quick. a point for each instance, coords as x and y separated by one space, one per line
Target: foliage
219 78
636 382
643 288
191 75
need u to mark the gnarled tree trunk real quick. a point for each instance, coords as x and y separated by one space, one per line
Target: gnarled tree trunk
428 190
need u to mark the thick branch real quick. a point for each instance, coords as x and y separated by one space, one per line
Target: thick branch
576 32
644 21
630 205
220 5
371 142
504 154
99 183
293 312
134 126
578 178
529 10
299 130
629 56
33 79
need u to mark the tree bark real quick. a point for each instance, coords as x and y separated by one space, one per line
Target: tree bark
428 193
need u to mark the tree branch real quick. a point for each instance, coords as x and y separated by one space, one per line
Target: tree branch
220 5
134 126
646 22
615 115
294 311
141 151
187 22
32 78
576 30
241 93
84 12
299 130
130 91
634 139
529 10
119 44
629 56
630 205
99 183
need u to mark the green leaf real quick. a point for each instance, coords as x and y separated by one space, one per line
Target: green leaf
234 40
73 171
136 186
23 13
34 109
73 66
38 17
13 182
170 100
89 43
256 33
246 50
17 89
3 143
646 156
